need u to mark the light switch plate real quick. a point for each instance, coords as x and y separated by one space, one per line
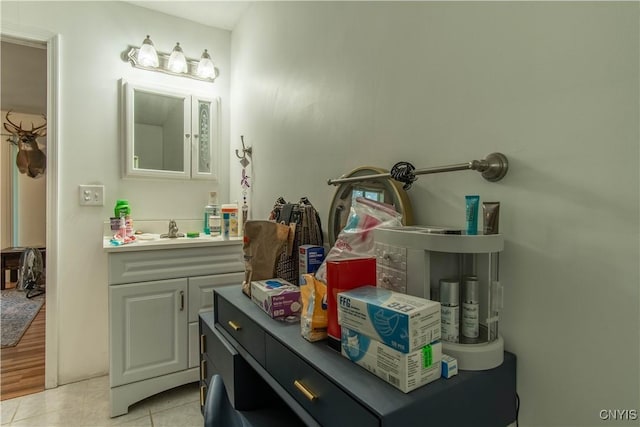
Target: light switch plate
91 195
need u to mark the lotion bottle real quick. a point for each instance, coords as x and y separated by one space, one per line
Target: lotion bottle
470 307
450 309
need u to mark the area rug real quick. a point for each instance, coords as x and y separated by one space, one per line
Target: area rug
16 314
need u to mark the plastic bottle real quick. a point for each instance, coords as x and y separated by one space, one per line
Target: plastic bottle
122 209
230 220
225 225
209 210
470 307
215 222
122 231
449 303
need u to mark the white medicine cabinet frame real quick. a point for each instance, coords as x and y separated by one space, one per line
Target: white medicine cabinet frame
169 132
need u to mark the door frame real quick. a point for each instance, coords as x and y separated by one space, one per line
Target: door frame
52 40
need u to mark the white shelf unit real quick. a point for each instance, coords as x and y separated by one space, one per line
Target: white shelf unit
413 259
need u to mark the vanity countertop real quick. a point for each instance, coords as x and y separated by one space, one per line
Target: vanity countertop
156 243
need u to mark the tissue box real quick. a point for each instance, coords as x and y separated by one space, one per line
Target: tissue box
403 322
404 371
309 259
277 297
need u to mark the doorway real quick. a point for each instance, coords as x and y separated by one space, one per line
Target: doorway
24 201
52 40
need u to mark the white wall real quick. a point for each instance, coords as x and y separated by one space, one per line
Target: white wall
319 89
93 36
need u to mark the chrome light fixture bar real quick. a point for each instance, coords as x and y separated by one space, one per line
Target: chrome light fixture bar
192 65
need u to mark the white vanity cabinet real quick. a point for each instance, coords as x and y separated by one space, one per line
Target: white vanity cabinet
155 295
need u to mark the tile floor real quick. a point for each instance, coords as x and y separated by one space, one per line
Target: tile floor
86 404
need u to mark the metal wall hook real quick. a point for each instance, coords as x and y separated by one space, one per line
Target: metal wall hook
245 150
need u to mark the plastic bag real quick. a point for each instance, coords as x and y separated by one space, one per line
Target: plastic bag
314 318
356 239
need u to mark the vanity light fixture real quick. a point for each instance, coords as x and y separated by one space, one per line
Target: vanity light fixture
177 64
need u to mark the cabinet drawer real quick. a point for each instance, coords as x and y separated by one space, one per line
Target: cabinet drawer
324 401
201 291
142 266
245 388
241 328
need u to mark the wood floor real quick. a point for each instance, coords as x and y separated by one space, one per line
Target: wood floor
22 366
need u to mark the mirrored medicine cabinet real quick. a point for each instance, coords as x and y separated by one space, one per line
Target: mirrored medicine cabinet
168 133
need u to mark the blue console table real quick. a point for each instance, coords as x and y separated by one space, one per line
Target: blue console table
257 355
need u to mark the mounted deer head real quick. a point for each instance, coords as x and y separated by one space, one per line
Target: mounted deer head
30 159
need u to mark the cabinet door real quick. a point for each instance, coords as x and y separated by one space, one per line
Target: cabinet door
201 291
156 131
205 130
148 330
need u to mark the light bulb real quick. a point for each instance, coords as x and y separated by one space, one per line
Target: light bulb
177 60
206 69
147 55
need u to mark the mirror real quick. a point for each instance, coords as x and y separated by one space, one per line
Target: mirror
157 132
168 133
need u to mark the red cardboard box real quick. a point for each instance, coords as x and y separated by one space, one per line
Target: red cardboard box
343 275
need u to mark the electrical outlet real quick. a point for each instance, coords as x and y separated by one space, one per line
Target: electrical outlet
91 195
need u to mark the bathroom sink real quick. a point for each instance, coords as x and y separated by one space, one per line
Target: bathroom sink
153 229
153 241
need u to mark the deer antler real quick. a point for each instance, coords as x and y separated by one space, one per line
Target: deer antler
16 128
36 130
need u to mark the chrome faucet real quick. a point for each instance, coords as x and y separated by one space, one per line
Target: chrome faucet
173 231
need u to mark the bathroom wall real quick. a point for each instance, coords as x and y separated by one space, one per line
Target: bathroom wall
92 37
320 88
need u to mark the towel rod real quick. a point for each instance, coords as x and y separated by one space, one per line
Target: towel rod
493 169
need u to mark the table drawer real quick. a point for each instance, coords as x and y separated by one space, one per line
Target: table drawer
241 328
324 401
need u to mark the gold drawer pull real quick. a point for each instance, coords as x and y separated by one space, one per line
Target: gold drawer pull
304 390
203 369
203 344
234 325
203 393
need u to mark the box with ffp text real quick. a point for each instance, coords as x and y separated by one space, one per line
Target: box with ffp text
403 322
405 371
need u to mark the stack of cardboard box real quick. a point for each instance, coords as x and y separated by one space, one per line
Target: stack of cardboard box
395 336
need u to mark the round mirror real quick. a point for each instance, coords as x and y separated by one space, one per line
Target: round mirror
384 190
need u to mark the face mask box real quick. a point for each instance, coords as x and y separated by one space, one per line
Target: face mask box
403 322
277 297
405 371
